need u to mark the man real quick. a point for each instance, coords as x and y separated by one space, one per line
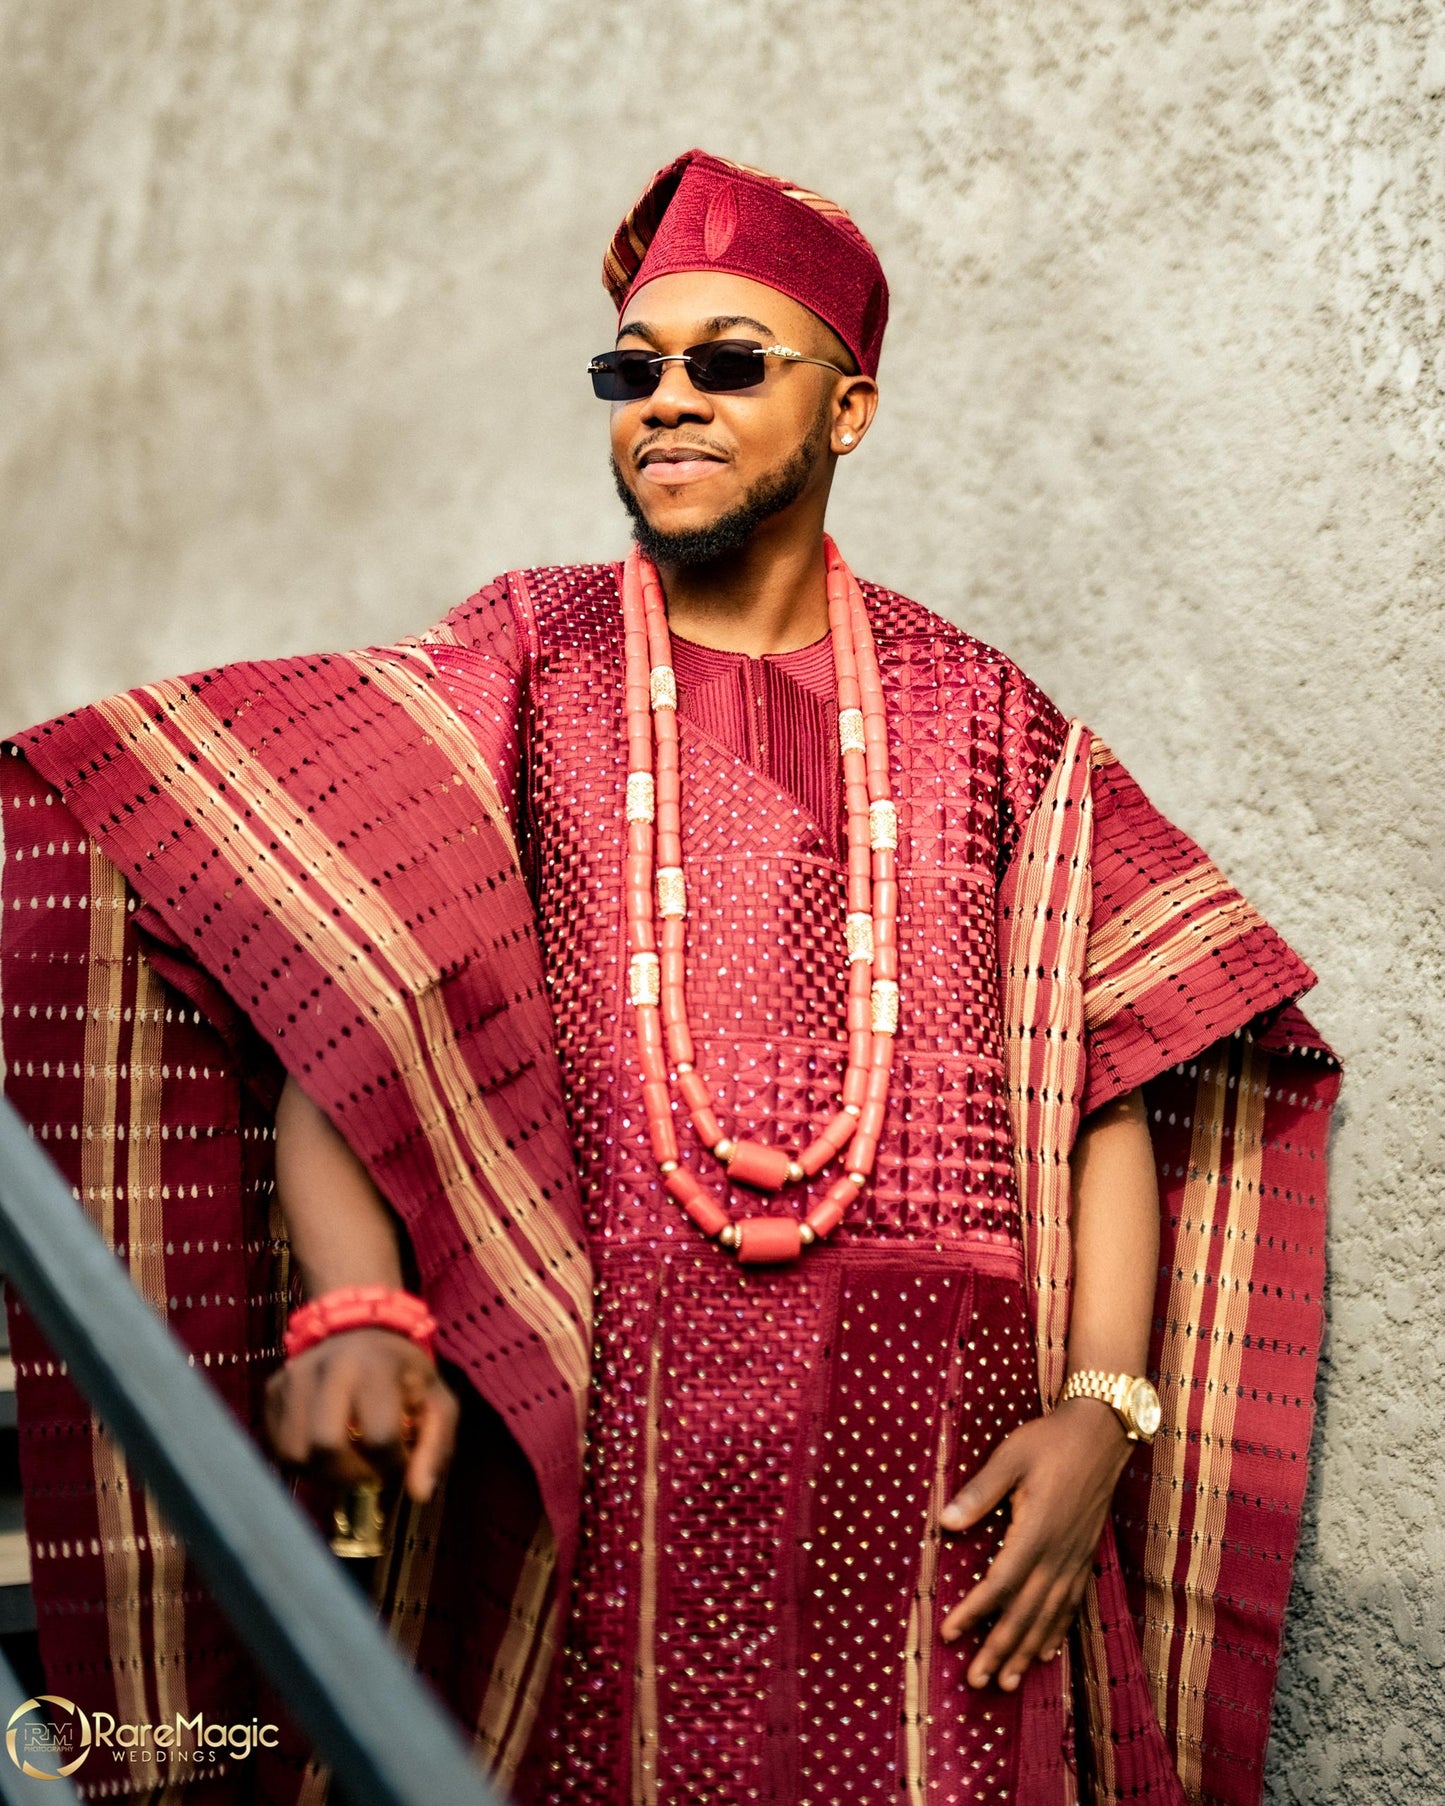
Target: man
753 1002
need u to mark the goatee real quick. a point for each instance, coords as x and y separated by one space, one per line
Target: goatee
729 533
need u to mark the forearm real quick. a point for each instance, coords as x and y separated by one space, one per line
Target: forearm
1116 1239
341 1230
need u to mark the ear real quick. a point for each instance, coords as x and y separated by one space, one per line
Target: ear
855 402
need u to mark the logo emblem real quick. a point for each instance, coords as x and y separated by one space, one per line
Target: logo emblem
720 223
48 1737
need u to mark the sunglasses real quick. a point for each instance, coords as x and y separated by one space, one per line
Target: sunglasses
718 367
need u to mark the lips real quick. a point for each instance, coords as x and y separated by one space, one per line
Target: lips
673 465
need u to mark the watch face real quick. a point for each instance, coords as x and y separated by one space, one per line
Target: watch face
1144 1408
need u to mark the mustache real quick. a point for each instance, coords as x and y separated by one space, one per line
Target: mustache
669 441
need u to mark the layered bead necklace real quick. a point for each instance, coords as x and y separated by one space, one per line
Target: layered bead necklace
656 893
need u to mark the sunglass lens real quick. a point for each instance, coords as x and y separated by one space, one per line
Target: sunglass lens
726 364
622 375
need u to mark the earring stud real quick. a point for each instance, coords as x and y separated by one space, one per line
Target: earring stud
847 438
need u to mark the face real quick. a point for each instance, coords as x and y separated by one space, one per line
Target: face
699 472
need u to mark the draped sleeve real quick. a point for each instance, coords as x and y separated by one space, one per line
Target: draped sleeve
319 855
1177 958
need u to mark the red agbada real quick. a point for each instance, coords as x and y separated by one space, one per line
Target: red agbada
689 1547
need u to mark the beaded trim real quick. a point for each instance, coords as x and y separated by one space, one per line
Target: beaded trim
656 894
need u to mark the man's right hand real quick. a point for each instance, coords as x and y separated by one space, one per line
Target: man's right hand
364 1405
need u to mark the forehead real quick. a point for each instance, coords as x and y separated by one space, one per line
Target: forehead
681 309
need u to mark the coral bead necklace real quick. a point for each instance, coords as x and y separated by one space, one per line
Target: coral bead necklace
656 894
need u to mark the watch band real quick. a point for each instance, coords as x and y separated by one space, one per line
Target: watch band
1112 1389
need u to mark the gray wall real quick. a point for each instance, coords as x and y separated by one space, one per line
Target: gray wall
295 301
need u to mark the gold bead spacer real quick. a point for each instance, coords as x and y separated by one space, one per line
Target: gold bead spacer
882 825
683 1066
858 932
671 891
884 1000
644 978
724 1149
807 1235
859 1179
662 687
796 1175
850 731
852 1109
667 1166
641 796
731 1236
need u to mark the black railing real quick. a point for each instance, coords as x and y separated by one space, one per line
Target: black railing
306 1625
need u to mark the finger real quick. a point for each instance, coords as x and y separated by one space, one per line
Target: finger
1006 1575
288 1417
331 1446
987 1489
1013 1627
377 1421
1064 1617
1035 1637
436 1436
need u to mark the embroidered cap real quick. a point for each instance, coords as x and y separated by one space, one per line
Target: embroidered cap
704 213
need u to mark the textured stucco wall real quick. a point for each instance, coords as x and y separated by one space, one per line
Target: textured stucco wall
294 304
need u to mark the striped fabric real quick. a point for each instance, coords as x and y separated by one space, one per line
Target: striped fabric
1130 960
363 926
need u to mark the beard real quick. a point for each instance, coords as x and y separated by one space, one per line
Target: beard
723 538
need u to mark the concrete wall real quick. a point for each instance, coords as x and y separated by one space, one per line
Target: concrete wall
295 301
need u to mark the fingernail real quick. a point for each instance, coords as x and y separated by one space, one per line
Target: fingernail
949 1636
1009 1682
951 1518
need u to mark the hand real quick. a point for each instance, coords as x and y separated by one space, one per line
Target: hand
363 1406
1058 1474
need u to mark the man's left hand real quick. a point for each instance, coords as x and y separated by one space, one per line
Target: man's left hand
1058 1474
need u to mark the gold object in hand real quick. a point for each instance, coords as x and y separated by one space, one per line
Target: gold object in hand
360 1525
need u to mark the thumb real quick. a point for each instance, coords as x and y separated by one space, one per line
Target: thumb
988 1488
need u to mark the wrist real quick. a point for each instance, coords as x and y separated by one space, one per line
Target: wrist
347 1308
1129 1397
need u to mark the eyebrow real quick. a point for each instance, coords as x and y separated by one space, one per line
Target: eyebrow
710 328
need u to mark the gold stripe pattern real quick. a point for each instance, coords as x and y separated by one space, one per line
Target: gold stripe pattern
359 975
387 931
1176 1363
417 1527
105 974
414 689
498 1733
1148 916
1041 1151
1216 1431
1226 922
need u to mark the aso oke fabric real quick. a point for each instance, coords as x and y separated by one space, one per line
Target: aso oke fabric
396 875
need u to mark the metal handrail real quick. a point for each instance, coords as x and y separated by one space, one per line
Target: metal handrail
384 1736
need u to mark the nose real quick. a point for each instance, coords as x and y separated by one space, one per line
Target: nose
675 399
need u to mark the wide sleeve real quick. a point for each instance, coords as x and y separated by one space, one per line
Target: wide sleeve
1177 958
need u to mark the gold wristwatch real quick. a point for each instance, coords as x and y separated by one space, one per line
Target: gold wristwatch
1135 1400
